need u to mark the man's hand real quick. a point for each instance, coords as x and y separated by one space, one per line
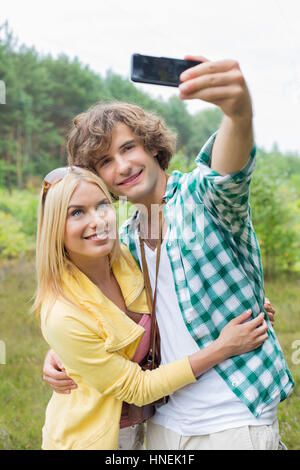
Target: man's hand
222 83
55 375
270 311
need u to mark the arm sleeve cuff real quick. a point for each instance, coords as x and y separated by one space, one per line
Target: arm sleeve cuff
203 163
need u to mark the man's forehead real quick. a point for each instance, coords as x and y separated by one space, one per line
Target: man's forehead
121 131
121 134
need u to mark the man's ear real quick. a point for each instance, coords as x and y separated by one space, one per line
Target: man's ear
155 154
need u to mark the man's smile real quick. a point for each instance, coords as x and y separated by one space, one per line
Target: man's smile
132 179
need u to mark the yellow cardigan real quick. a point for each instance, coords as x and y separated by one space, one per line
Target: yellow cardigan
95 342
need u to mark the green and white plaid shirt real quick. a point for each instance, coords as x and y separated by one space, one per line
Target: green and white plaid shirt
217 271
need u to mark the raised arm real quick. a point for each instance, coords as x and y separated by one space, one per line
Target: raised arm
223 84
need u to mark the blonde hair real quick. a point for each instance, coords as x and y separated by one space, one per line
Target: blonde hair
52 259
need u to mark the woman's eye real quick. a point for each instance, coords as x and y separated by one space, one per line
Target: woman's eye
103 206
76 213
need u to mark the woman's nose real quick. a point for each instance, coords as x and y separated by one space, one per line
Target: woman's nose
98 219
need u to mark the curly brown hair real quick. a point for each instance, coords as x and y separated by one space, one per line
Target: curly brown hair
91 133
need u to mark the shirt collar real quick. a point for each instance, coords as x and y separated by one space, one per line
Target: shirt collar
172 184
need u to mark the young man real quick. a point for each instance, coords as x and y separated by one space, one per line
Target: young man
210 267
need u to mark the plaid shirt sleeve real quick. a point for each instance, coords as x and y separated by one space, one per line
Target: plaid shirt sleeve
226 197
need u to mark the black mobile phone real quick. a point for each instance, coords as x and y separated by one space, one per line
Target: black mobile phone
158 70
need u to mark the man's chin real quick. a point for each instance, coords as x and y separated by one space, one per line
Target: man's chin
133 194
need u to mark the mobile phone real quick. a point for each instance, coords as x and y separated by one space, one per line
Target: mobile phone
158 70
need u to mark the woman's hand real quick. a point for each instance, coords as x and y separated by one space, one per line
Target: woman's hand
240 336
270 310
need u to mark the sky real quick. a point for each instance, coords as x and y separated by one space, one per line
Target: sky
262 35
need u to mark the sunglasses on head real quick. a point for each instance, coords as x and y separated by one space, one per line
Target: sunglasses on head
55 176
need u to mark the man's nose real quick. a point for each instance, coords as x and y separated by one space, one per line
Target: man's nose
123 165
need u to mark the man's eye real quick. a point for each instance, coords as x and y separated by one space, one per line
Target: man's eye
128 147
104 162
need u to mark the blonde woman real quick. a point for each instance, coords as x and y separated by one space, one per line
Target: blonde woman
91 301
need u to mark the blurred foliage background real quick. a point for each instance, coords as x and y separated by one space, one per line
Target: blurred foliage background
44 94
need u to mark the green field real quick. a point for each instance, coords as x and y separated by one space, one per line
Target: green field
23 395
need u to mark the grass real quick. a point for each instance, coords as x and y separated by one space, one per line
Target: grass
24 396
285 297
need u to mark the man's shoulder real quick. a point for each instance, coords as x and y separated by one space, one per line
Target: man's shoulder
183 187
179 182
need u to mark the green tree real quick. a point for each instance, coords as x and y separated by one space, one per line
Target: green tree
179 120
275 215
203 125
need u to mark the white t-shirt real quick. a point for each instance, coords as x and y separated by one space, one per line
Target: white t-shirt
208 405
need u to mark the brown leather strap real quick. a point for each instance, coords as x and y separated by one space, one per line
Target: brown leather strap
155 337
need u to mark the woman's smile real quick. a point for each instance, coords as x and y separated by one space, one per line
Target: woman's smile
98 237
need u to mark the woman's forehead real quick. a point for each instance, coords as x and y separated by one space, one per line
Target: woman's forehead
85 191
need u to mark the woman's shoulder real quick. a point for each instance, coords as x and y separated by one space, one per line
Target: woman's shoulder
64 323
55 312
